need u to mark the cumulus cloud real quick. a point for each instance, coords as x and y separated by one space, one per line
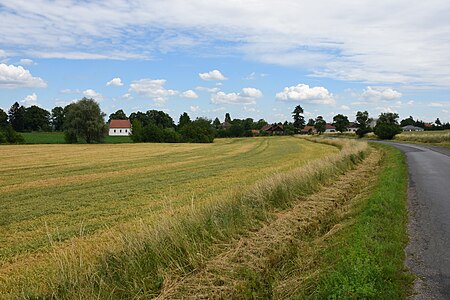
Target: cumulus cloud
304 93
212 75
345 107
30 100
195 108
380 94
90 93
115 82
332 48
206 89
18 77
251 92
189 94
152 88
247 96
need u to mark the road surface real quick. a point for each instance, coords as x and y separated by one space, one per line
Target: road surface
428 253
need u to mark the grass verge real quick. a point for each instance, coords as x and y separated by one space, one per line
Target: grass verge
365 259
183 244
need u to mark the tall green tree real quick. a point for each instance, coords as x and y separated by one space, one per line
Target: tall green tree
184 120
320 124
118 115
408 121
159 118
438 122
363 123
311 122
341 122
387 126
3 119
17 115
216 123
227 118
299 119
37 119
58 118
84 120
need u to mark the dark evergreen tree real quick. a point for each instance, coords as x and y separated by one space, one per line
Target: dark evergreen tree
299 119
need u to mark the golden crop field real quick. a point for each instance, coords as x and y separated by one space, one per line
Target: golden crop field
57 196
438 137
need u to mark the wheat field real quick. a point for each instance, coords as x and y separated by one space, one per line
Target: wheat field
59 196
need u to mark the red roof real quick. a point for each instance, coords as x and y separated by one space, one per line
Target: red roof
120 124
329 126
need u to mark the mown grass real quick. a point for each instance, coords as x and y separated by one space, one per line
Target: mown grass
180 245
68 204
365 259
58 138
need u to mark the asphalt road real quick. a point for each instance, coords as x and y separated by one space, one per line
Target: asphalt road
428 253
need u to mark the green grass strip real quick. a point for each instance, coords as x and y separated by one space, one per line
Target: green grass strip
367 258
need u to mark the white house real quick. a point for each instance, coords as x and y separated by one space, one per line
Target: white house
329 128
119 127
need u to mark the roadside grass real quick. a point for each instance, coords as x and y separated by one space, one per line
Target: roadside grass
58 138
365 258
155 253
68 204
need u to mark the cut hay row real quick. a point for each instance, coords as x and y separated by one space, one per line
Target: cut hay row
254 266
174 247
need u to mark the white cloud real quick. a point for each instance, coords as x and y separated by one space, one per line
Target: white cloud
127 96
2 54
247 96
380 94
345 107
206 89
115 82
189 94
18 77
212 75
30 100
303 93
90 93
70 91
153 88
439 104
251 92
195 108
266 32
26 61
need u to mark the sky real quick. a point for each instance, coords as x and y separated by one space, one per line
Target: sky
253 58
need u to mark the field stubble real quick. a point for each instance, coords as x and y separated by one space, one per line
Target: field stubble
65 205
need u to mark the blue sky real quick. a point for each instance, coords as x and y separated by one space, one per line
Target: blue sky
255 59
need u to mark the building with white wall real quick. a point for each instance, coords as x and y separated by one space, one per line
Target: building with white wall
119 128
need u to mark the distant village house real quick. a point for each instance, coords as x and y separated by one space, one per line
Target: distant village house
273 129
119 128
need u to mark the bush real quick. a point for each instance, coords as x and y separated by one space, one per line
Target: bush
387 131
198 131
9 136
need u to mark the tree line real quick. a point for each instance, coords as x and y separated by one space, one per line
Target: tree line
83 121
